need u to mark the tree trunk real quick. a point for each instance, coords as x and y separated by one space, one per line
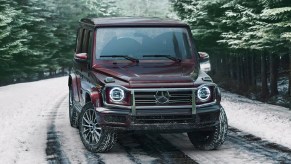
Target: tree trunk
40 75
253 71
265 91
289 88
241 71
232 66
213 63
273 74
63 70
247 69
70 70
237 71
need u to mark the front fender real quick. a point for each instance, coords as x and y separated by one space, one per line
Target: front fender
95 97
75 83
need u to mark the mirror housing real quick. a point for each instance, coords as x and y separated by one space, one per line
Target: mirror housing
203 56
81 57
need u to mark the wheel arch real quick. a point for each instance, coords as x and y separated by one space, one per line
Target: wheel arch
87 98
73 83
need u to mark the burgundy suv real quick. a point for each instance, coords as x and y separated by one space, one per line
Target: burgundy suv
141 74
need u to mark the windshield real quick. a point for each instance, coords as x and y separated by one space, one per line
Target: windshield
139 42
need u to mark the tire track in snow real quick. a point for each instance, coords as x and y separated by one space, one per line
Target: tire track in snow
145 148
72 145
93 158
154 147
53 150
255 144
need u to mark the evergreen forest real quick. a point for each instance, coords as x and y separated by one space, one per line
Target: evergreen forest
37 38
249 41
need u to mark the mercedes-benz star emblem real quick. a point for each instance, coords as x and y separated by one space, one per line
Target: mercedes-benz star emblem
162 97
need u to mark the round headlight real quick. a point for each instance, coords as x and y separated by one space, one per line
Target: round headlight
116 94
203 94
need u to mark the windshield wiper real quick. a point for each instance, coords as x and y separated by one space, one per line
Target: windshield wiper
122 56
164 56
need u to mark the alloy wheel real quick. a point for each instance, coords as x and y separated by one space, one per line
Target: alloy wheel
91 131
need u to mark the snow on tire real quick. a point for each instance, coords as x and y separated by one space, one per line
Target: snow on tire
210 140
95 138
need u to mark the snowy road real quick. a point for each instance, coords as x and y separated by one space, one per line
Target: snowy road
35 129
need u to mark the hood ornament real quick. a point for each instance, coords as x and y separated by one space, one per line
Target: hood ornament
162 97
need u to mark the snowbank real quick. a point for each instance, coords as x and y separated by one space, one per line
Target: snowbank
270 122
22 111
25 111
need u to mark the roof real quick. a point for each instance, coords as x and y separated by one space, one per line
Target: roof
131 21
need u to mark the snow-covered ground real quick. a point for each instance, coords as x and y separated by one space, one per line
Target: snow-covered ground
35 129
269 122
23 110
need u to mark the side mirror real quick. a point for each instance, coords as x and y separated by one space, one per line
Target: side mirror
81 57
203 56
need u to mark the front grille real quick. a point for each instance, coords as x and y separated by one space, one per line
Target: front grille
174 98
164 119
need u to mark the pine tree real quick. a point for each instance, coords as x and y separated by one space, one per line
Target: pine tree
38 36
234 31
278 15
13 42
145 8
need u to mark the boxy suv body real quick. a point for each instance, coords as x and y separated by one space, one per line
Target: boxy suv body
141 74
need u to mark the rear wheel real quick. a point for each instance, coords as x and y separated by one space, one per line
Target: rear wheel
94 137
210 140
72 111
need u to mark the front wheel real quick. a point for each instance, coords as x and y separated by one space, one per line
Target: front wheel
94 137
210 140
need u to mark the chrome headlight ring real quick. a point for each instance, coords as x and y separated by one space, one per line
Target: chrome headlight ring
116 94
204 94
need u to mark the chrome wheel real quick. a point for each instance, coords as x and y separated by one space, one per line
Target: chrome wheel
94 137
91 131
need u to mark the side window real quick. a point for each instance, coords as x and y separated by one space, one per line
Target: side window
85 42
80 40
90 43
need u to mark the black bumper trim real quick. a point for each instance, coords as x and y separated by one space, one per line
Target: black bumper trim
161 120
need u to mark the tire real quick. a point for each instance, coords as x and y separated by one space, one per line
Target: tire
72 110
95 138
210 140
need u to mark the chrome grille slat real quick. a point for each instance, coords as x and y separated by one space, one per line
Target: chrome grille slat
144 96
144 100
147 102
173 101
175 98
180 96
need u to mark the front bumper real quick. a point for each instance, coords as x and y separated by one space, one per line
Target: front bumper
161 120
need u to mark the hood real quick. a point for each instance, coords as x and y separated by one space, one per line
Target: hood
143 73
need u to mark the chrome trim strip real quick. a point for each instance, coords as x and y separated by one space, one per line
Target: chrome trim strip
193 102
161 107
133 108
